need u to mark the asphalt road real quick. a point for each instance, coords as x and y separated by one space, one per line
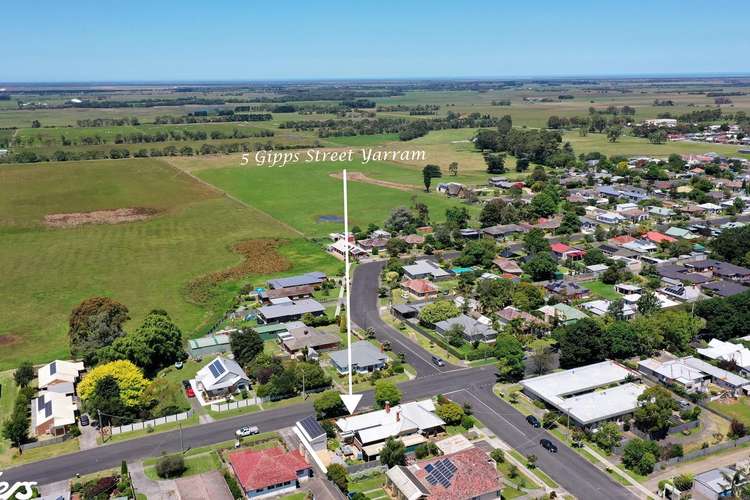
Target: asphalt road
474 385
365 314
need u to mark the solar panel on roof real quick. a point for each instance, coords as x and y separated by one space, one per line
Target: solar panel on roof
53 368
216 368
428 468
431 480
312 427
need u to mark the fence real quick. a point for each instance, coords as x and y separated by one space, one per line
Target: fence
45 442
155 422
233 405
705 451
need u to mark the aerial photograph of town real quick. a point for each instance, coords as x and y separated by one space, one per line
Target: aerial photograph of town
328 250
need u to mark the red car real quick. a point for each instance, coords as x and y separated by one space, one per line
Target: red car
189 391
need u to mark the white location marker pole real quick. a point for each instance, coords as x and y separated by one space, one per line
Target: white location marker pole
350 400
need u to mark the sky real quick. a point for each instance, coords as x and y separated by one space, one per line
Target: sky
78 41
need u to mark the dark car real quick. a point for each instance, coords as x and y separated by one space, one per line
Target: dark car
185 383
548 445
84 420
533 421
438 361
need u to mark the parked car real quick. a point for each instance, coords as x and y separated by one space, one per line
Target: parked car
438 361
189 392
84 420
533 421
178 365
247 431
185 383
548 445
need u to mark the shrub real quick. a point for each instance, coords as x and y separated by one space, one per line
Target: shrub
237 492
170 466
467 422
683 482
498 455
337 474
737 429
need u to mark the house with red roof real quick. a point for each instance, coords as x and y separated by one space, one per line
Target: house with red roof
622 239
464 475
565 252
269 472
657 237
420 288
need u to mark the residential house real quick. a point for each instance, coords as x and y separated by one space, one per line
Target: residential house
312 433
473 330
724 288
452 189
719 350
565 252
339 248
468 474
414 239
569 290
220 378
58 372
503 231
425 269
312 279
561 314
365 358
508 265
410 422
270 472
420 288
719 269
508 314
601 308
679 232
52 413
714 484
661 213
206 346
641 246
298 338
658 238
292 293
677 372
281 312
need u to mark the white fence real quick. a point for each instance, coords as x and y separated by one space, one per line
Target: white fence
139 426
233 405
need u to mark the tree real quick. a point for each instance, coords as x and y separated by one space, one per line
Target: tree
95 323
509 353
393 453
106 399
535 242
430 172
640 455
455 335
450 412
678 329
683 482
386 392
155 344
492 212
543 205
129 377
581 343
477 253
246 345
495 162
542 358
737 429
16 428
24 374
570 224
522 165
435 312
457 217
542 266
549 420
608 436
614 132
329 405
453 168
396 246
424 450
648 303
337 474
400 220
655 407
498 455
170 466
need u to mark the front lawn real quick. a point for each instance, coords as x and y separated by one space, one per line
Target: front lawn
196 464
603 290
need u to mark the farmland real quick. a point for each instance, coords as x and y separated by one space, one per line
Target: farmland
145 264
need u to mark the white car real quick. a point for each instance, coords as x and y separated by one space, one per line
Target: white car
246 431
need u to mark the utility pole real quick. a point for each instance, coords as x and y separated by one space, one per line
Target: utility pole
101 427
304 396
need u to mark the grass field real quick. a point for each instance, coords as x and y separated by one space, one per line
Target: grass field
739 409
317 193
145 264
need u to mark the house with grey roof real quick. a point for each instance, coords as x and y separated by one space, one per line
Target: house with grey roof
715 484
472 329
289 311
425 269
313 278
365 358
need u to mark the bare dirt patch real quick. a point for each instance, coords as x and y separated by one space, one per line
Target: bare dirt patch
360 177
259 257
115 216
8 339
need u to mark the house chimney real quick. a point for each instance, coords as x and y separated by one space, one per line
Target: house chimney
387 406
398 416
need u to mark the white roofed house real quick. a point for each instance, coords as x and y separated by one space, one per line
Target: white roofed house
52 413
59 372
719 350
409 422
220 378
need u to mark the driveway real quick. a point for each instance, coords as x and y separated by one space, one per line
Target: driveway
154 490
87 439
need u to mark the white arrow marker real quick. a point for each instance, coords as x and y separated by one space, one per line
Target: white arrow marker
350 400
